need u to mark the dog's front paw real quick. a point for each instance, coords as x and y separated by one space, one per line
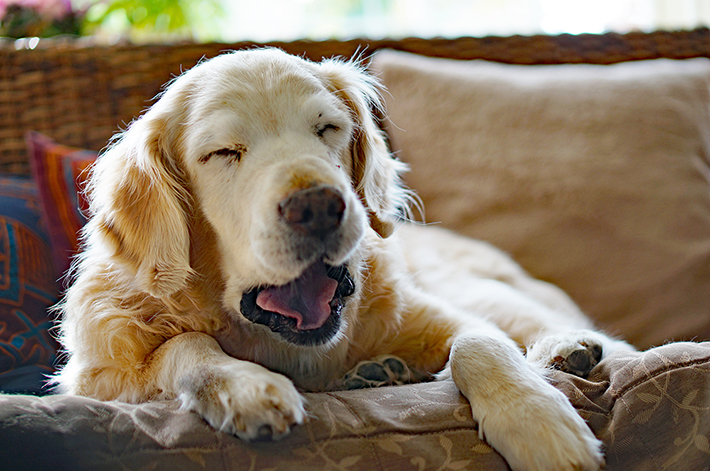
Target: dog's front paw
244 399
573 352
543 432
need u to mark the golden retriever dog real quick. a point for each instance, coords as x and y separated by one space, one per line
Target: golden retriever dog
245 243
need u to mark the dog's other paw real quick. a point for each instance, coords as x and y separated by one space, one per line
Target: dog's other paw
244 399
573 352
527 420
385 370
543 432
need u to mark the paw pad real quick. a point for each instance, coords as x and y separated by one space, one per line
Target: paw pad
386 370
579 361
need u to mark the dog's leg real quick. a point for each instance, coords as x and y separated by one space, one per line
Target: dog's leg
536 314
544 319
527 420
234 396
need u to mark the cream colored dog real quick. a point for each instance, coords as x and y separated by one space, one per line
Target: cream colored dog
242 244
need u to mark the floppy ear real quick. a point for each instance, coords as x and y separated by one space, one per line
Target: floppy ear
138 203
376 174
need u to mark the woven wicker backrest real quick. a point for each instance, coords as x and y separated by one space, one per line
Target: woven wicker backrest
81 94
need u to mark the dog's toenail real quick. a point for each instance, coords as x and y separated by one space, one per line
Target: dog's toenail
597 352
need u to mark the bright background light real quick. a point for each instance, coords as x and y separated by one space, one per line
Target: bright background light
319 19
268 20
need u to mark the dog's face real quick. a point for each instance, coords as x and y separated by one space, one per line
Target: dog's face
268 154
283 160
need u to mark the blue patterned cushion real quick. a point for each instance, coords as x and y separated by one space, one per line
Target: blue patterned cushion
27 288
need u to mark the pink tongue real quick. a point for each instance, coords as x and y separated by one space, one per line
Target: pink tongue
306 299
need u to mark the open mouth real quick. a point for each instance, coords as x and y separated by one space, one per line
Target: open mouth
305 311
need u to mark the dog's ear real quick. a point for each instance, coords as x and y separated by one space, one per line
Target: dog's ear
138 202
376 174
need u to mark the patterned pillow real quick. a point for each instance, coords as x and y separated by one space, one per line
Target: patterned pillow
60 173
27 288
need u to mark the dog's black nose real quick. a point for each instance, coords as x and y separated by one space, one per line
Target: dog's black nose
315 211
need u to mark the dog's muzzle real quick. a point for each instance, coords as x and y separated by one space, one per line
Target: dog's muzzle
305 311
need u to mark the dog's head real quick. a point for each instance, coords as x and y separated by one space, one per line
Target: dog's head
284 164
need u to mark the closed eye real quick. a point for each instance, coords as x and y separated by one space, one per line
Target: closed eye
328 127
233 154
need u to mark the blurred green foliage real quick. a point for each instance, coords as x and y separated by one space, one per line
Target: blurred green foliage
154 19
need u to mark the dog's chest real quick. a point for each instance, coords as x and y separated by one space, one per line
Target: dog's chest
308 367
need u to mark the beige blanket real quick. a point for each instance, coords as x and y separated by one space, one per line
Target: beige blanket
650 409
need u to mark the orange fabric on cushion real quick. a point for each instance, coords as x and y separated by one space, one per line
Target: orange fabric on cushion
60 173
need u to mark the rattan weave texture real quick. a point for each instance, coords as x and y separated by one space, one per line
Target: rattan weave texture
81 93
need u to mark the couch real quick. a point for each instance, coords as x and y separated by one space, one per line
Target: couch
585 157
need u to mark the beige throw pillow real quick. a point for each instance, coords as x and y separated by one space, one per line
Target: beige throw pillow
595 178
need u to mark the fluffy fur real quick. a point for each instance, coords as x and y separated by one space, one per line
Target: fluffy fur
192 209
